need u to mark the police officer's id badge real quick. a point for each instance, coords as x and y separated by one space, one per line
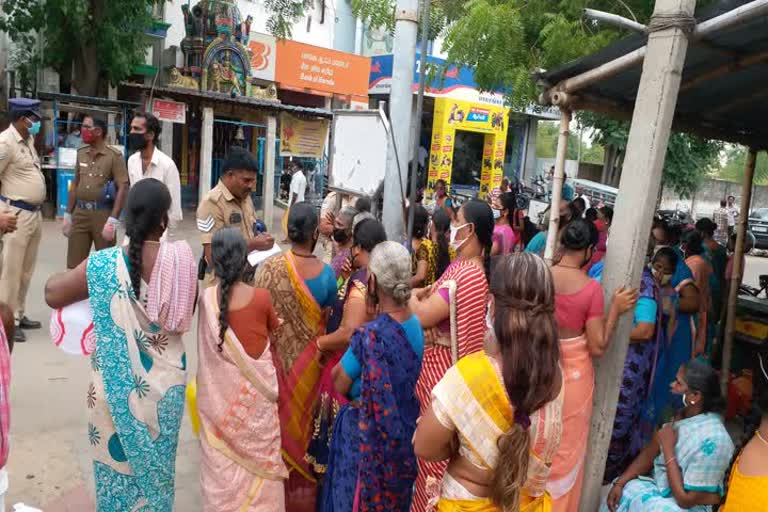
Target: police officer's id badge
235 218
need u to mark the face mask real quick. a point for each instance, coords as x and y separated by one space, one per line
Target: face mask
34 127
136 141
88 136
685 402
340 235
457 244
496 214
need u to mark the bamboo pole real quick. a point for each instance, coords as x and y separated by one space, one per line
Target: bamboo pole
738 255
635 206
746 12
614 20
557 184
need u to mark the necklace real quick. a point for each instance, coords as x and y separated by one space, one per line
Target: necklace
760 436
302 255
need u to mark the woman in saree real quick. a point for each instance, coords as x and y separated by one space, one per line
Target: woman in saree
503 405
644 340
504 233
584 333
748 482
342 238
683 467
452 312
302 289
372 465
241 468
680 302
354 313
423 250
694 250
717 255
142 297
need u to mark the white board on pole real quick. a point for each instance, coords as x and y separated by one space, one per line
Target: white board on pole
358 151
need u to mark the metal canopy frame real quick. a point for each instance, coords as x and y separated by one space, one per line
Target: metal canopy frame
717 97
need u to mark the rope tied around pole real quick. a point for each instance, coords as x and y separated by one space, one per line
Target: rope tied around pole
664 21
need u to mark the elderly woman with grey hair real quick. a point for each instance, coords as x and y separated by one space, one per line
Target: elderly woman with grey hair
372 458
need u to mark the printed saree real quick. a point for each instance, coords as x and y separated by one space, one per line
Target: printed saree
627 439
298 371
5 397
329 401
471 400
372 466
136 396
241 467
703 452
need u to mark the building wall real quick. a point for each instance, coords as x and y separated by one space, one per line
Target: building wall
708 197
309 30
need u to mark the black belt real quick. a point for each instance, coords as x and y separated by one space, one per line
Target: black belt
21 204
93 205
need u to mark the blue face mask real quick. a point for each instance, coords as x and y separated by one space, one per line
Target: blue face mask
35 128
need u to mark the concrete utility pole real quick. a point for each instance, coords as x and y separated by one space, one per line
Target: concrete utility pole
557 185
268 186
400 102
640 182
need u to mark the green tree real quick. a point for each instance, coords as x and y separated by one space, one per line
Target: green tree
733 170
91 43
505 40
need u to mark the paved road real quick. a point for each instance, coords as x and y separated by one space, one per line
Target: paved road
756 265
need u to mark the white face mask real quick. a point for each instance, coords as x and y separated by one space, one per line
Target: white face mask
496 214
456 244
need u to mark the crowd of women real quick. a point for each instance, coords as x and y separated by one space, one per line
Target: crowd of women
450 372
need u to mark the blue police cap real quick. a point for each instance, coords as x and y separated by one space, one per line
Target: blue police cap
25 105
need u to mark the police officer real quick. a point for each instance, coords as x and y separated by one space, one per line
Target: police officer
22 192
229 204
98 194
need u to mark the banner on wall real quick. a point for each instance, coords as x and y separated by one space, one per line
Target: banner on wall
302 137
451 116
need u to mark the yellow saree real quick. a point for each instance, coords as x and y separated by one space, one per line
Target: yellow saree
477 408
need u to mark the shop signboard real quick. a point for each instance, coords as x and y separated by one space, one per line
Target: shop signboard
302 137
263 56
171 111
322 71
455 115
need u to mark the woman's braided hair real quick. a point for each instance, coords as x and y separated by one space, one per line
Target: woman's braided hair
145 213
526 330
229 253
479 214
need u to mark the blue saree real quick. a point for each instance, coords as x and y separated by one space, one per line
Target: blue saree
677 350
136 396
372 466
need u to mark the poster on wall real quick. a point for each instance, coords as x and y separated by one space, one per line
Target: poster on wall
171 111
302 137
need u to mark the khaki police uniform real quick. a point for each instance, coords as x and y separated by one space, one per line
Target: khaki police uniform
94 168
220 209
22 191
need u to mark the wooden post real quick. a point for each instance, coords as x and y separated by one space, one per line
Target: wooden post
557 184
639 187
738 268
268 187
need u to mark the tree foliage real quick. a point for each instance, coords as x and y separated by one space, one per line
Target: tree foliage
102 40
506 40
733 169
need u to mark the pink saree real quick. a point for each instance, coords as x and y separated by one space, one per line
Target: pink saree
241 466
567 473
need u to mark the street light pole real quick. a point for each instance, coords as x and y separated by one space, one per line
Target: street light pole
400 110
